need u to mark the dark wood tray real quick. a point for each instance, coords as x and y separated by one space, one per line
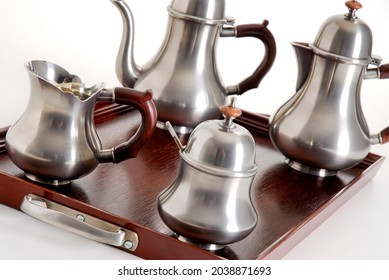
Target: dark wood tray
289 204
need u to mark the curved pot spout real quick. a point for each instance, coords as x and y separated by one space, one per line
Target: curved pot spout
126 69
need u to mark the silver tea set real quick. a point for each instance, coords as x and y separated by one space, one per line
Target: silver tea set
320 130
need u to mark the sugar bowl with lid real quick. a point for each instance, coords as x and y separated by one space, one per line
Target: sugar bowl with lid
209 202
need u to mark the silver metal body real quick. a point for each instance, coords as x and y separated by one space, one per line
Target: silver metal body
183 74
55 141
209 203
321 129
208 210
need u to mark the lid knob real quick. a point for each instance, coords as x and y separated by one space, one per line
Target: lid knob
352 6
230 112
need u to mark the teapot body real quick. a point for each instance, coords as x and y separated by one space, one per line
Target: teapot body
321 129
184 75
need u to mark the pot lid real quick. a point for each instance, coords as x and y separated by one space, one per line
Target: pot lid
222 145
345 37
202 11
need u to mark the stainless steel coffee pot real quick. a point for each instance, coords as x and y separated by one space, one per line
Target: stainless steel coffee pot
322 129
209 203
55 141
187 87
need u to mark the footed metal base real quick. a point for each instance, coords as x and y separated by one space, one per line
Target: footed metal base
310 170
178 129
205 246
51 182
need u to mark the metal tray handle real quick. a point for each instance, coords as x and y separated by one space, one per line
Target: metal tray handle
79 223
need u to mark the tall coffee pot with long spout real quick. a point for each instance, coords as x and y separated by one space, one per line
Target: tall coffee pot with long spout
183 75
322 129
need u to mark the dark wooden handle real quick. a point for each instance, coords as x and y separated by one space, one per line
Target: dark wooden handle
384 71
261 32
384 74
143 102
385 135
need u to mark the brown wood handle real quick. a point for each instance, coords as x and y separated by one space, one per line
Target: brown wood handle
385 135
143 102
384 71
261 32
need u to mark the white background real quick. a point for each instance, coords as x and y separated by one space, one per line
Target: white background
83 37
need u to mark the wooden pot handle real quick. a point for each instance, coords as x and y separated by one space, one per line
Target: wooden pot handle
384 135
261 32
384 71
142 101
384 74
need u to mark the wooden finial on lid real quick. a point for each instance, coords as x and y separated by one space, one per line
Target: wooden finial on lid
230 111
353 5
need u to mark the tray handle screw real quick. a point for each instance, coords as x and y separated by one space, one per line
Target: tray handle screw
128 244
